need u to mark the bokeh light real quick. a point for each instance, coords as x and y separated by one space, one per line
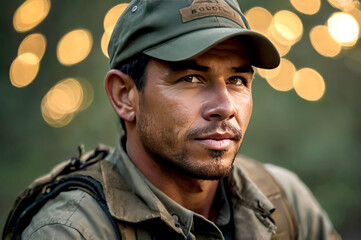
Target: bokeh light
88 94
343 28
113 14
104 42
74 47
286 27
309 84
54 119
309 7
110 20
323 43
34 43
30 14
65 99
280 78
283 49
259 19
24 69
356 13
342 4
66 96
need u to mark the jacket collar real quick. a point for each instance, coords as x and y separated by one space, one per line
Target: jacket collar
251 205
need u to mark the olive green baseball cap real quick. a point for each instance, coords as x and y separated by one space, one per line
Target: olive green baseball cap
177 30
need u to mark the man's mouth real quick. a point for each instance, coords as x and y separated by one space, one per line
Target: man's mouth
216 141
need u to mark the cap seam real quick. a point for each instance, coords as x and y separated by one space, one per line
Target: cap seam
217 19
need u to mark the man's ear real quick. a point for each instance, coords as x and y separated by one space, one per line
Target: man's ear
122 93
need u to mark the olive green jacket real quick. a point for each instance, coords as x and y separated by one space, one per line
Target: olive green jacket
141 215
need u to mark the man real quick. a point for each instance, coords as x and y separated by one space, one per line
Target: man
181 83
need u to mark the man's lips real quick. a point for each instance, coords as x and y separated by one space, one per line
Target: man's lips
216 141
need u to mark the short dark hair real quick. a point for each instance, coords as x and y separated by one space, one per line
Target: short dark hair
135 67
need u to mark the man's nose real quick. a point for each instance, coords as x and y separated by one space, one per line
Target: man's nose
219 105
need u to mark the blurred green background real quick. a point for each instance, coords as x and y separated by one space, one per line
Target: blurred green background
320 140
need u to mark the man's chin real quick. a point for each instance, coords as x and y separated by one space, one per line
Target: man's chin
217 154
213 174
214 168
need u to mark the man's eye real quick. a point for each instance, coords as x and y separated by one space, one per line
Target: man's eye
191 79
238 81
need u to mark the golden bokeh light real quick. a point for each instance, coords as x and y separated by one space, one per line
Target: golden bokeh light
74 47
24 69
356 13
309 84
342 4
309 7
286 27
281 78
269 73
30 14
259 19
282 49
110 20
54 119
65 99
113 14
343 28
323 43
105 42
66 96
261 72
88 94
34 43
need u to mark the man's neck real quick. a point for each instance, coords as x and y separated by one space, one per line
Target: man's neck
193 194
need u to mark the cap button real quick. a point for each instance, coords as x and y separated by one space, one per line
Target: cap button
175 218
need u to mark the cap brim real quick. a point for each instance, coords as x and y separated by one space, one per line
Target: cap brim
262 52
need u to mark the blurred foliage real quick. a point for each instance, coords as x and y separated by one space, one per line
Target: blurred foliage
320 141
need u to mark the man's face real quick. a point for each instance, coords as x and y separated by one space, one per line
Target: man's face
192 115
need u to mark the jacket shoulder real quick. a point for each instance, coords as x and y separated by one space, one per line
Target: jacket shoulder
64 177
74 214
313 222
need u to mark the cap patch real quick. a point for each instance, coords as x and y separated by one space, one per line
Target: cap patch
206 8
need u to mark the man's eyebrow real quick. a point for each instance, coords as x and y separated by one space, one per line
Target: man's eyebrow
188 65
243 69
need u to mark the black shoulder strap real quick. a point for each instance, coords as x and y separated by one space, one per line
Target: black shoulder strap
284 215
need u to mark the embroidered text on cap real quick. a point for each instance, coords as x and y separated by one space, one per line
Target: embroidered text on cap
206 8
